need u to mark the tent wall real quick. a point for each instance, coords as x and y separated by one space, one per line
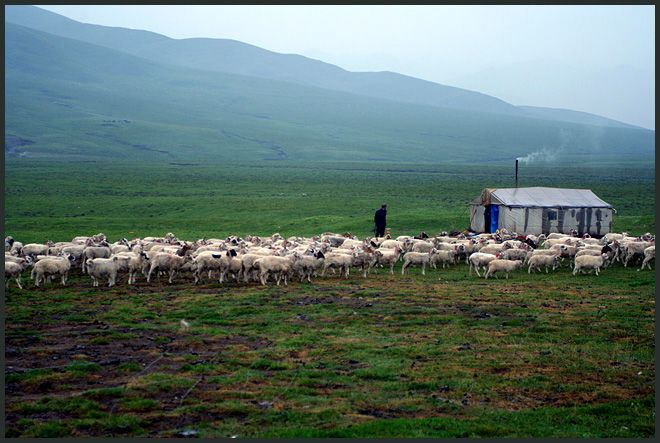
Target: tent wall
477 218
524 221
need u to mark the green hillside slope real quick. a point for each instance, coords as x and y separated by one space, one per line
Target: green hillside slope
67 98
230 56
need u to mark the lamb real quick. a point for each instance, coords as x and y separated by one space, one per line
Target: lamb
307 265
334 239
588 251
234 265
208 261
591 241
16 248
163 261
557 235
445 258
536 261
223 262
339 260
649 255
493 248
555 241
247 265
632 249
479 260
514 254
14 270
421 246
611 236
98 268
350 244
36 249
91 252
14 259
9 242
388 257
117 248
51 266
275 264
80 240
586 262
132 262
391 244
417 258
75 250
364 260
506 266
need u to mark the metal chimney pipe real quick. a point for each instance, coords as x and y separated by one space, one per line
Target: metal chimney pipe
516 173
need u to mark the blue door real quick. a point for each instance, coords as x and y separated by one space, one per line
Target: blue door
494 215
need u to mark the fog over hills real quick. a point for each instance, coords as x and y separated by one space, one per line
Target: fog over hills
80 90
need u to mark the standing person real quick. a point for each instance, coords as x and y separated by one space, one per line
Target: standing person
380 221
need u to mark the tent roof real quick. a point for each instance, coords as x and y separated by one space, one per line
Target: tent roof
542 197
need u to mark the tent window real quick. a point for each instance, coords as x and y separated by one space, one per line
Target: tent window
552 215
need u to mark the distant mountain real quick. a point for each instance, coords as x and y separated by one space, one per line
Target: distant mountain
65 98
542 82
230 56
568 115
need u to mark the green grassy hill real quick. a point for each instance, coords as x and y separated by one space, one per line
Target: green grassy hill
67 98
230 56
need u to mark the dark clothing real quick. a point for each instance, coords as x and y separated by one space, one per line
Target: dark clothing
379 220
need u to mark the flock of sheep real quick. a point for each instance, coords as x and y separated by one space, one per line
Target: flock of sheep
258 259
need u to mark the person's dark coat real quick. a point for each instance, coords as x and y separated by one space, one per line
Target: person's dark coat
380 218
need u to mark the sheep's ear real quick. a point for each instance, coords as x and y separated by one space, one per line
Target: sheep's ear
216 255
320 254
233 252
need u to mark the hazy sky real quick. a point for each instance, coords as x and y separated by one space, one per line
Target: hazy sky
598 59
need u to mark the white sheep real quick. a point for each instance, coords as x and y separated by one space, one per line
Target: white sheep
588 262
132 262
99 268
15 259
36 249
514 254
417 258
14 269
51 266
633 248
307 265
336 259
386 256
91 252
209 261
506 266
165 262
248 270
281 266
649 255
364 260
16 248
535 262
421 246
493 248
445 258
479 260
74 250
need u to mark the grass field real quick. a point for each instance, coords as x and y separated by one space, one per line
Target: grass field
441 355
59 200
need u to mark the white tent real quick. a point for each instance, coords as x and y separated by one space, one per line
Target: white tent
540 210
